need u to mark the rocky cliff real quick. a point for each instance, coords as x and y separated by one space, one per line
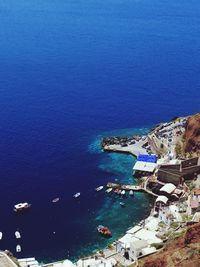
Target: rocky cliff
183 251
192 134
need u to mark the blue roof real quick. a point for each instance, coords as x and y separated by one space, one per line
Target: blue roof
147 158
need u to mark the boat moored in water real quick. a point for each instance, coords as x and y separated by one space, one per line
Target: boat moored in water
77 195
99 188
21 207
131 193
17 234
122 204
1 235
18 248
108 190
104 231
123 192
55 199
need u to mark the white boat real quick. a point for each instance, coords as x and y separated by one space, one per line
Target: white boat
119 192
77 195
123 192
55 200
22 206
1 235
99 188
131 193
18 248
122 204
17 234
108 190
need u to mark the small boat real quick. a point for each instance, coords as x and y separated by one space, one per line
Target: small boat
108 190
1 235
17 234
119 192
22 206
104 231
55 200
122 204
131 193
18 248
77 195
123 192
99 188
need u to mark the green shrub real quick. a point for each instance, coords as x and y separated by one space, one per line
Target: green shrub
174 225
178 234
186 217
110 246
178 149
192 252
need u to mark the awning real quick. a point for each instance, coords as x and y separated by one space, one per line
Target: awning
163 199
144 166
147 158
168 188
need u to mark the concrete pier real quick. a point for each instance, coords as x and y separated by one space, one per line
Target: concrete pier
135 188
6 261
134 149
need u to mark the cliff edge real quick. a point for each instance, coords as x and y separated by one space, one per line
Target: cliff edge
192 134
183 251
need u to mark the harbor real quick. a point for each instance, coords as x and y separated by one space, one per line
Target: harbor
134 188
128 147
164 176
172 199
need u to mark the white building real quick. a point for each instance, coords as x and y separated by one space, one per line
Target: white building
136 248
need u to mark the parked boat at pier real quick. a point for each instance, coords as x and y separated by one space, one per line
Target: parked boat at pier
99 188
108 190
1 235
131 193
123 192
119 192
21 207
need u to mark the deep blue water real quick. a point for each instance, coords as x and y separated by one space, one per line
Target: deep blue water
70 72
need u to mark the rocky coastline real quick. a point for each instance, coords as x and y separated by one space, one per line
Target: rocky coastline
168 214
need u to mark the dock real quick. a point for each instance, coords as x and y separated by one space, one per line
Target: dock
133 149
124 187
6 261
134 188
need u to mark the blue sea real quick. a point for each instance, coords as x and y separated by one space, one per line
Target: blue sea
72 72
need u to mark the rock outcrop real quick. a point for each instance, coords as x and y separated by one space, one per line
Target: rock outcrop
192 134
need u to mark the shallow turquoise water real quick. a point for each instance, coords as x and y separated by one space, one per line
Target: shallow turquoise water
118 168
